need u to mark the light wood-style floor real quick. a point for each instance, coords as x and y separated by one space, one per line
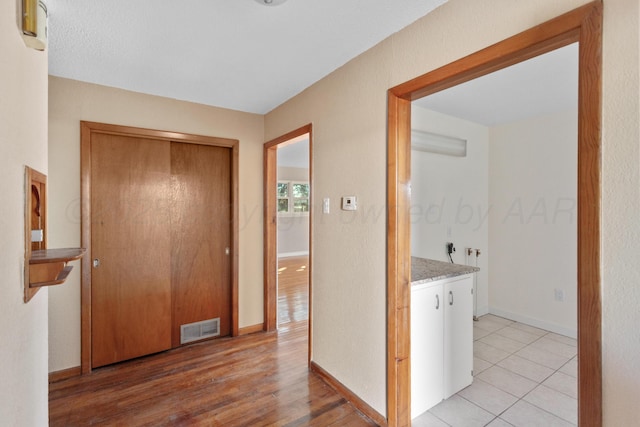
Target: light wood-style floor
293 290
254 380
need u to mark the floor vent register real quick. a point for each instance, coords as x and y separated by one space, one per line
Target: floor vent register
199 330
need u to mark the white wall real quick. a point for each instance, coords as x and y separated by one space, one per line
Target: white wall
513 197
348 111
23 141
71 101
287 173
450 196
293 229
533 228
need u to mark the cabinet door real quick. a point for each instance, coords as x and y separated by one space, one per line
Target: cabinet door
458 335
426 348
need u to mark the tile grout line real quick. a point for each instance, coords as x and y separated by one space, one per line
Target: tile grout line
538 383
544 410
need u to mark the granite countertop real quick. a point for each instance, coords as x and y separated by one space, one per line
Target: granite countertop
428 270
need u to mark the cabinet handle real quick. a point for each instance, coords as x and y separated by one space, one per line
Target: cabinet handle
437 301
450 297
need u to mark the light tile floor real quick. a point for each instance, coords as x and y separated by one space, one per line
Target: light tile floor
523 376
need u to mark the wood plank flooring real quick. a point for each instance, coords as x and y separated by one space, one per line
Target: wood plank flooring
293 289
254 380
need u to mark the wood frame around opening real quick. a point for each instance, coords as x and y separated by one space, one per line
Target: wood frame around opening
583 25
271 228
86 130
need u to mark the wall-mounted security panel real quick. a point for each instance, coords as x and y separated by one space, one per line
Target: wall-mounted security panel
349 203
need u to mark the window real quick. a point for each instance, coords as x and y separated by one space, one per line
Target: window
293 197
283 197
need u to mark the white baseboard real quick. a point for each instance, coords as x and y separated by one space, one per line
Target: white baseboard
547 326
292 254
481 311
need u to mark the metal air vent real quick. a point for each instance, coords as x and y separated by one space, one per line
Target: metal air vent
199 330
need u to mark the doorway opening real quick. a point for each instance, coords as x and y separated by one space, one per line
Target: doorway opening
293 191
583 25
508 205
288 217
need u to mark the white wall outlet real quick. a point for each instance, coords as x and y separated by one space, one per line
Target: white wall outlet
349 203
559 294
326 205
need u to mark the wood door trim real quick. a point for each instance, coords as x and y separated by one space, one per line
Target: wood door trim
270 229
584 25
86 130
235 237
85 237
164 135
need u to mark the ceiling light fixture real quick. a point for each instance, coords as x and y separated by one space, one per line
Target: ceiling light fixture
271 2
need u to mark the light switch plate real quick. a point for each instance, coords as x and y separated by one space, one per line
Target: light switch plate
37 235
326 205
349 203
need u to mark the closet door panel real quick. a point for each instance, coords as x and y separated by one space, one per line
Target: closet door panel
130 277
201 225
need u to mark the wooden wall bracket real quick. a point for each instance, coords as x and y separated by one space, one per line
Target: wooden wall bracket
42 266
49 267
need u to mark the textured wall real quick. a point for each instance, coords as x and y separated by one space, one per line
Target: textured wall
533 221
71 101
620 218
23 141
348 110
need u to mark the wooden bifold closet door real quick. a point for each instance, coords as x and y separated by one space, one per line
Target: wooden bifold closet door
160 232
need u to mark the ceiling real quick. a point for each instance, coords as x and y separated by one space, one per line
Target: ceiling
295 155
542 85
235 54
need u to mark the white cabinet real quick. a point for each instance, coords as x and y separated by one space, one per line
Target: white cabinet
441 340
458 335
427 357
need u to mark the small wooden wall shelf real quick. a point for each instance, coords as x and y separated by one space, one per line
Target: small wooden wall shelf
49 267
42 266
